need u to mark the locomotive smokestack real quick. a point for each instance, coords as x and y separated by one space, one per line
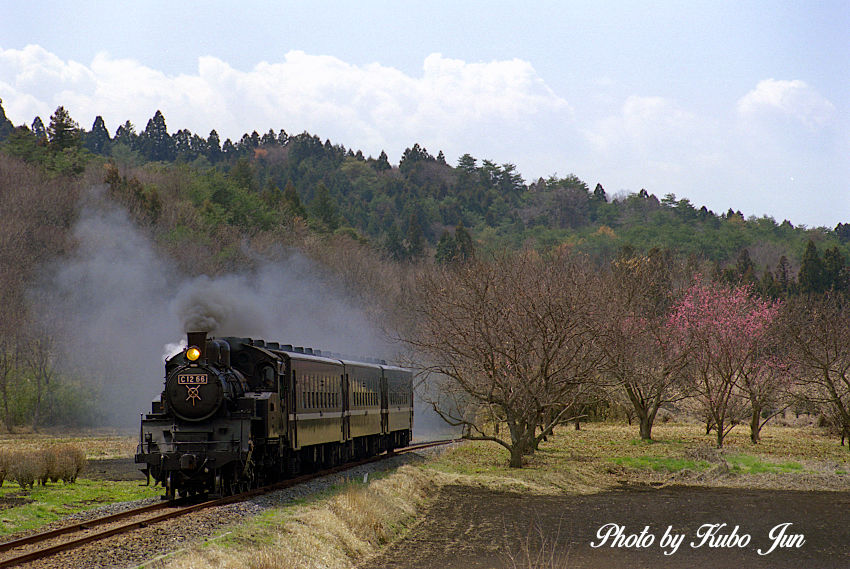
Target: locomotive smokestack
199 340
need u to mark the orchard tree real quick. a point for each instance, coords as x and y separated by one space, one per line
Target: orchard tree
818 335
507 342
644 354
726 329
767 384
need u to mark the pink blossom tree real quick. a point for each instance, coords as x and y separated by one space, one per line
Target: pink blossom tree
727 329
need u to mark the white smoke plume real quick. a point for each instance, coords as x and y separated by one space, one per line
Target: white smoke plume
115 308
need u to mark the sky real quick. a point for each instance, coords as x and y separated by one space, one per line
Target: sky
742 105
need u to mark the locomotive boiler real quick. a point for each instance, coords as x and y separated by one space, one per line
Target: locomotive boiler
239 412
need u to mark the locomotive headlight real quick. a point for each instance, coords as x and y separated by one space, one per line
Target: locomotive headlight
193 354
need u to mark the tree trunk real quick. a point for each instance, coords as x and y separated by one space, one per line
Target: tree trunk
519 442
647 419
646 428
516 456
719 426
7 415
755 425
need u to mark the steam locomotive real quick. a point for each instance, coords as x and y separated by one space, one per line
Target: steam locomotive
240 412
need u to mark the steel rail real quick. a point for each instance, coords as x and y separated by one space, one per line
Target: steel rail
177 511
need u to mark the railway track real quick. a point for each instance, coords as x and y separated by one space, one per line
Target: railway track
38 546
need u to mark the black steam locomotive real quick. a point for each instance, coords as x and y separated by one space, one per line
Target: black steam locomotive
237 412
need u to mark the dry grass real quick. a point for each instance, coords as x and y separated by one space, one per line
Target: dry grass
351 525
355 522
602 456
100 443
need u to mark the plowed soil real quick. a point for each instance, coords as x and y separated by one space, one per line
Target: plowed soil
469 528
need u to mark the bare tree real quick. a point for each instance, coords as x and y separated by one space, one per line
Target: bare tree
644 355
507 341
818 336
767 384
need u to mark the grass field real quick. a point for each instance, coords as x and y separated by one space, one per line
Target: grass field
353 521
22 510
102 443
28 509
602 455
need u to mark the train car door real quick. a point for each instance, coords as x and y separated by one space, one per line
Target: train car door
385 412
292 414
346 407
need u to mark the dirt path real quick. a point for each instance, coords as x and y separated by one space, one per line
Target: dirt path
469 528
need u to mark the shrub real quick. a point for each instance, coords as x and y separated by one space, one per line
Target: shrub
70 462
44 463
23 468
64 463
4 465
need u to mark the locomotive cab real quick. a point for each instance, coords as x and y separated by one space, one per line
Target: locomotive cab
193 440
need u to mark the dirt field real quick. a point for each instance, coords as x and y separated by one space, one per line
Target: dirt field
472 528
113 469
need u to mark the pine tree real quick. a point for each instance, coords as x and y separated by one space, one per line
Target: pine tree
446 249
98 138
811 277
783 275
38 129
63 132
271 194
213 147
322 208
243 175
834 269
467 163
465 247
291 201
6 126
382 163
126 134
393 244
269 139
768 286
415 239
156 144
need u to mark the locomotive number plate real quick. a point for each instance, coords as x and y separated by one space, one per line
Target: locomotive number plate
192 379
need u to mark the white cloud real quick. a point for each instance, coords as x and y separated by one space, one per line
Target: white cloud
370 107
654 131
792 99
